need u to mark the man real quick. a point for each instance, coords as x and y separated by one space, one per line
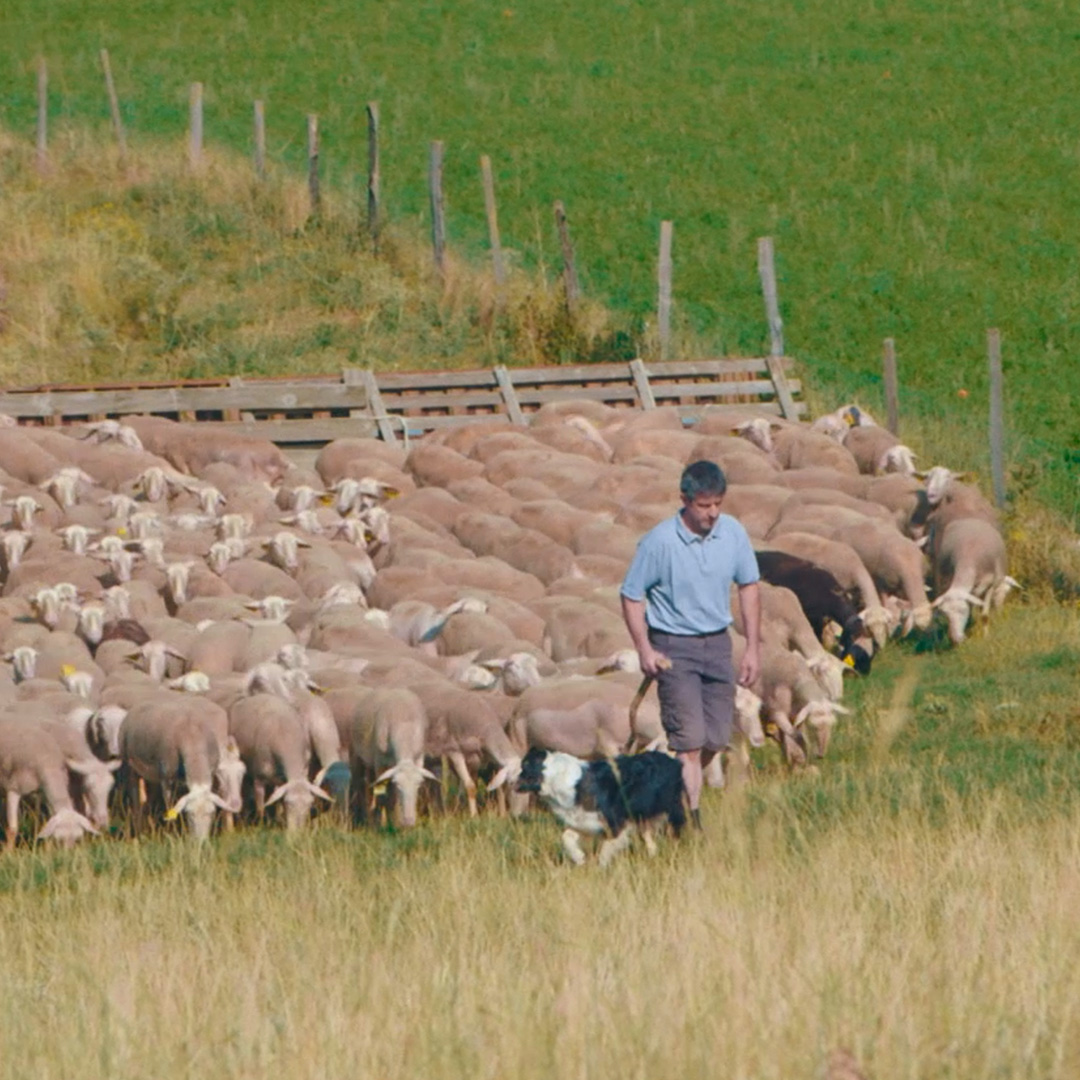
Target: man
676 603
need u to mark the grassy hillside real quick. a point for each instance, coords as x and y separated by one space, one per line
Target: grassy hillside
915 161
913 902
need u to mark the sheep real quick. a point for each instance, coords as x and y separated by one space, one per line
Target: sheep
895 562
792 697
589 718
171 738
784 624
797 447
220 648
387 736
338 458
294 686
466 729
258 579
190 451
90 780
949 500
432 465
756 506
969 572
275 748
877 450
32 760
854 484
584 629
822 600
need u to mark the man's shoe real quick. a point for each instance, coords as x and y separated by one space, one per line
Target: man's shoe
695 817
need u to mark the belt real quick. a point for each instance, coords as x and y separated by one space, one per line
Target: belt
667 633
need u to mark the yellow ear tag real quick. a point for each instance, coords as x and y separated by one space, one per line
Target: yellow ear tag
326 500
379 790
121 531
392 493
171 815
769 728
849 660
67 669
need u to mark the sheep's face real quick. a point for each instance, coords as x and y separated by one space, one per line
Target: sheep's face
407 778
229 775
103 729
520 671
96 780
66 827
957 612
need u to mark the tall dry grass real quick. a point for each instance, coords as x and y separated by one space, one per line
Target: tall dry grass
150 272
949 950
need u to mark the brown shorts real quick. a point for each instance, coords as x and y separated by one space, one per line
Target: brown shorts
697 694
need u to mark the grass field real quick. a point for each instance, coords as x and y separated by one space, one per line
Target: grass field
912 902
915 161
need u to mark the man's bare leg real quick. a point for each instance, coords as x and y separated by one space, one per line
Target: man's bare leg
693 766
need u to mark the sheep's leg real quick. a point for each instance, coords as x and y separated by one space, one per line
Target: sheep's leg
444 783
647 836
134 802
12 820
457 759
571 843
259 789
610 848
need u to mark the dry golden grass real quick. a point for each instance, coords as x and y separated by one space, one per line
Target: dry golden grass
950 950
148 272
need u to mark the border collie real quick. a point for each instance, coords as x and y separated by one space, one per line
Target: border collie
606 796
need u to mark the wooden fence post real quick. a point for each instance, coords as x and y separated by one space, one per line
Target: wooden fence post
892 390
570 280
114 106
775 359
997 417
313 165
767 270
498 266
195 136
373 222
663 303
260 140
42 115
438 225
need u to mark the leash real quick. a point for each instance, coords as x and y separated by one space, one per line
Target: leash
665 665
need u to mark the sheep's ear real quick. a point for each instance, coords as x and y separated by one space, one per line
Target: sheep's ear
319 793
427 774
386 775
279 793
499 778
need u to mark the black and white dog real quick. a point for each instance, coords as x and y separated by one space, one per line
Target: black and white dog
606 796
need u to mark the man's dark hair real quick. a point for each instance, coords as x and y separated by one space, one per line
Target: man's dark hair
702 478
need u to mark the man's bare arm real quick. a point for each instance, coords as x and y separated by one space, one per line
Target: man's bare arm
634 616
750 604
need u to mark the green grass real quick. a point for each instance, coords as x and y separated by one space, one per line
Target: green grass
915 161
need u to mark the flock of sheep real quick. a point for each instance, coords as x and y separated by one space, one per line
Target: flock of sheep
224 630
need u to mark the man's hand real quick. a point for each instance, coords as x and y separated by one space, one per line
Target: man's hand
750 668
653 662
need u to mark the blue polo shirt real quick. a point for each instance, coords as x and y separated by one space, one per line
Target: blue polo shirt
685 579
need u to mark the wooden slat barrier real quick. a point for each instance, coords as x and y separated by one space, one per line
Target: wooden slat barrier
361 403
